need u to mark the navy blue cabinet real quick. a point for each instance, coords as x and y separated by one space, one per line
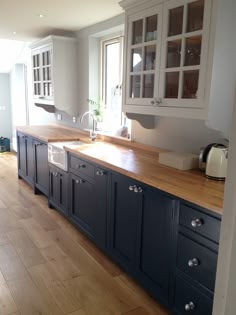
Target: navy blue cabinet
141 233
156 242
32 156
197 238
41 167
58 189
25 157
126 213
88 199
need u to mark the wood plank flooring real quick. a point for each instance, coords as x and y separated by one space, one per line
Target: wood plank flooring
47 267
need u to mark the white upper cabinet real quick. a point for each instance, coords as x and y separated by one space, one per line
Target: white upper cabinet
42 74
55 74
166 57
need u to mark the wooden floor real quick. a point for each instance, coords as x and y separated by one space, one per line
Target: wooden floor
48 267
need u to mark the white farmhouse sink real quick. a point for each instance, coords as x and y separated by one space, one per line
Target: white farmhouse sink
57 154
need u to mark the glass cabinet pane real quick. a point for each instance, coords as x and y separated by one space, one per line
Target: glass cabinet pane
193 51
148 85
150 57
136 62
135 86
151 28
195 16
176 21
173 53
137 36
190 84
172 85
49 73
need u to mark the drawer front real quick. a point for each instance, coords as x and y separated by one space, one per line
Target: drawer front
81 167
200 223
189 300
197 261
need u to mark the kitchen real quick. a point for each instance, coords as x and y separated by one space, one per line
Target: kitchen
173 133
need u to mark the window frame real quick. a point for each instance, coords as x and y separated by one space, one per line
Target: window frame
112 39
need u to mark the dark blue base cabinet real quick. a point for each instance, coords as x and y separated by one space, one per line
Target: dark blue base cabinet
169 246
32 156
141 238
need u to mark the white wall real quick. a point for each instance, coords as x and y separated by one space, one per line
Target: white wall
5 104
18 99
184 135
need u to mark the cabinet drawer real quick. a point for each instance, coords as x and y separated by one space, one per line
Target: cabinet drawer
200 223
189 300
197 261
81 167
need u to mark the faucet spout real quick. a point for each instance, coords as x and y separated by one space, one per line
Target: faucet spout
93 133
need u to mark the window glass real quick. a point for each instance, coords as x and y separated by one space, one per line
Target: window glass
112 118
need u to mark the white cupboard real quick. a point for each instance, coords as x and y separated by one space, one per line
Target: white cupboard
55 74
169 53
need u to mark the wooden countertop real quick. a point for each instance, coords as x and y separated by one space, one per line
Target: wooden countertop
51 133
142 165
139 162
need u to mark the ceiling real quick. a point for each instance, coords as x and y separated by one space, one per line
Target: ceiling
21 22
59 16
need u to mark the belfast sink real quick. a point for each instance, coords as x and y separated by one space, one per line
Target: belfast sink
57 155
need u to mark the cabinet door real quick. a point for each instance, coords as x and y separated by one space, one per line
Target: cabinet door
25 155
41 167
82 204
100 197
143 56
21 154
46 70
37 75
184 53
125 215
54 186
58 189
42 73
29 159
156 239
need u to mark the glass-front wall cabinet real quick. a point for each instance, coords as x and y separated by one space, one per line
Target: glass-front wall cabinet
42 73
144 55
167 54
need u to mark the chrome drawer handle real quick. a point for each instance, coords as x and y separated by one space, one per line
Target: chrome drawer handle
99 173
131 188
189 307
193 262
196 223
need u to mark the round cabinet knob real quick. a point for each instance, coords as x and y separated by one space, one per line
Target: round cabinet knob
193 262
100 173
138 190
79 181
152 102
80 166
158 101
189 307
131 188
196 223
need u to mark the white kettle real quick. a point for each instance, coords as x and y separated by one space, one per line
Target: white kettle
216 164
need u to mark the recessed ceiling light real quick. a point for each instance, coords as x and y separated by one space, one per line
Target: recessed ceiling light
14 33
41 16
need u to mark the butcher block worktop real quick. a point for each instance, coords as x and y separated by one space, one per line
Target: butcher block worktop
51 133
140 163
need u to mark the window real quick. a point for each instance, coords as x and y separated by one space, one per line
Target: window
113 120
